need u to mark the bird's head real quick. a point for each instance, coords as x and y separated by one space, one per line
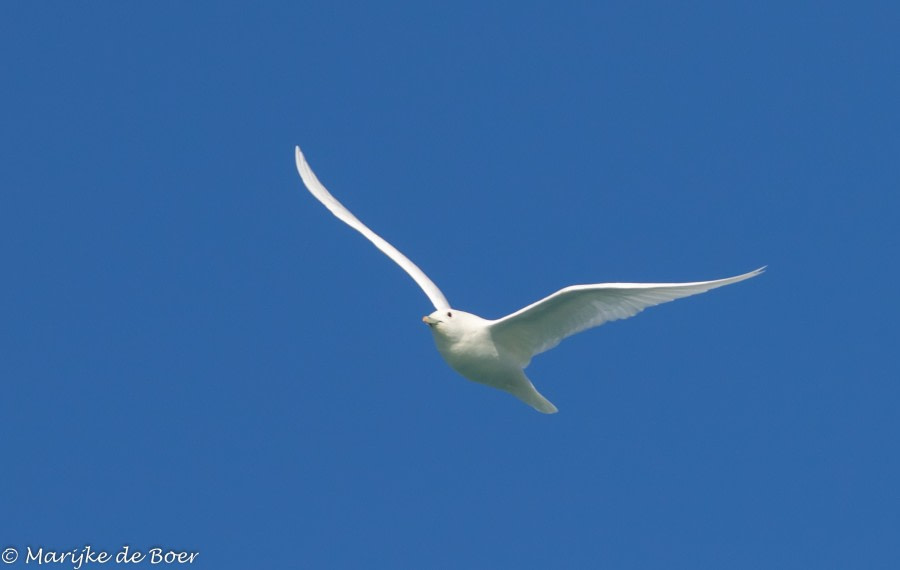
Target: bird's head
451 323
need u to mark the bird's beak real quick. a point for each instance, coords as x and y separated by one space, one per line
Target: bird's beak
429 321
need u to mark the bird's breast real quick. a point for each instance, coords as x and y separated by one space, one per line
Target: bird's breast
475 356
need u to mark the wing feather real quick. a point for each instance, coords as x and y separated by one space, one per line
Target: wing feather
318 190
542 325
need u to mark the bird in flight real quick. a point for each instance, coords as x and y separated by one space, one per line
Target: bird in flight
496 352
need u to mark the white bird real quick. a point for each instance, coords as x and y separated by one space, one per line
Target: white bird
496 352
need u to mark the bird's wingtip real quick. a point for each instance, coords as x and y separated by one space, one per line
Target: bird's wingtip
299 159
751 274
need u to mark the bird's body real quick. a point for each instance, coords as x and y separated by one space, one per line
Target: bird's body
467 343
496 352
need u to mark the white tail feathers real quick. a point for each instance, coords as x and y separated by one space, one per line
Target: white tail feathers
525 391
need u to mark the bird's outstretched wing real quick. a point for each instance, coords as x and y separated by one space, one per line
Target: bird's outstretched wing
318 190
542 325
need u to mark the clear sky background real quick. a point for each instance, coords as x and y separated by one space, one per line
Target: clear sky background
195 354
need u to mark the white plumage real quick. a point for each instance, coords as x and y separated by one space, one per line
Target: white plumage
496 352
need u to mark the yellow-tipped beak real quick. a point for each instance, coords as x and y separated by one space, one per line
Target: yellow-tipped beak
429 321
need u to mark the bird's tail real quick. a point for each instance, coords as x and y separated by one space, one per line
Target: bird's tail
525 391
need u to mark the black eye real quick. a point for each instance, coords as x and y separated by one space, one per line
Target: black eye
449 314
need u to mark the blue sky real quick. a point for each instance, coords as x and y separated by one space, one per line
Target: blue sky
196 355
